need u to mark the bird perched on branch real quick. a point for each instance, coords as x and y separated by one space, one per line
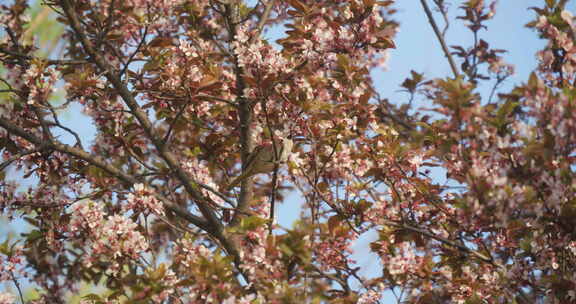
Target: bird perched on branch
263 160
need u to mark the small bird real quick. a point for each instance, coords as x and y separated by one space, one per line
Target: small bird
263 160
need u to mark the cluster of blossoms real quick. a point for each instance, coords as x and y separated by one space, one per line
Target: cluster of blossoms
559 55
143 200
211 90
260 258
11 268
248 299
169 281
334 252
201 174
37 80
11 264
112 238
187 253
195 261
8 196
188 55
372 296
403 261
259 60
7 298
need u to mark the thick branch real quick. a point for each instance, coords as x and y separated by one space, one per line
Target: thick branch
245 115
128 98
20 56
214 227
100 163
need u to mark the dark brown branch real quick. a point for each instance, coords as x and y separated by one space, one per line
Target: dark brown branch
448 242
440 38
142 118
10 91
275 172
15 281
100 163
214 98
59 125
442 9
214 227
48 61
171 126
245 115
220 195
138 48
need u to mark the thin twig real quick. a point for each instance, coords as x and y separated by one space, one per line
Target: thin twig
214 98
47 61
15 157
131 57
15 281
440 38
448 242
102 164
171 126
58 124
263 20
441 8
499 81
220 195
276 166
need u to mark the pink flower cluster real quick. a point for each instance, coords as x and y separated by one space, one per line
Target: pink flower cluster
143 200
201 173
112 238
259 60
560 53
10 265
334 253
7 298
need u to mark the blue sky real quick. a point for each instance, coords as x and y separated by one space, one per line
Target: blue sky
418 48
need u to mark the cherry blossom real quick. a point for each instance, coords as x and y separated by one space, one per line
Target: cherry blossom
466 196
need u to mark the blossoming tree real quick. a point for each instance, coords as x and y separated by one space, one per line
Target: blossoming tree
181 93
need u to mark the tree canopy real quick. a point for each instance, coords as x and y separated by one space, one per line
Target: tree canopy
184 94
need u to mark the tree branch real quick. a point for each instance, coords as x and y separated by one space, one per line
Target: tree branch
128 98
100 163
263 19
21 56
232 17
15 157
440 38
214 227
429 234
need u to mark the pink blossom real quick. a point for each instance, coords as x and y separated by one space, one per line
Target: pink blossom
7 298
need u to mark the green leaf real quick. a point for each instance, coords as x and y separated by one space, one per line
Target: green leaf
158 273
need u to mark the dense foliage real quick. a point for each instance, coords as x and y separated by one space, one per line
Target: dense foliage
180 93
